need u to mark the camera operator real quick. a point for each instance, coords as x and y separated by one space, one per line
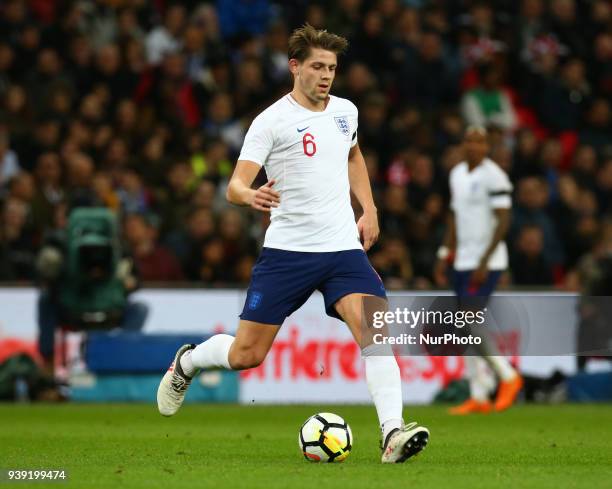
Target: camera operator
86 280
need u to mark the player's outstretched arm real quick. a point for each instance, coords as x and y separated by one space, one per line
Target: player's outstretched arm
360 186
239 189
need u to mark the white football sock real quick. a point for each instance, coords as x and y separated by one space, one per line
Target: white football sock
213 353
502 367
490 352
385 386
480 377
477 391
187 364
389 426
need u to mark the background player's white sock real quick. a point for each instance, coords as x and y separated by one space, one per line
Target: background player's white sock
477 391
385 386
489 351
481 379
214 352
502 367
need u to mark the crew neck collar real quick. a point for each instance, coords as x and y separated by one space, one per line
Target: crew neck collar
294 102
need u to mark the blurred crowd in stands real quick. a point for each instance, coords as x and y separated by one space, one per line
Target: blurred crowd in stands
141 106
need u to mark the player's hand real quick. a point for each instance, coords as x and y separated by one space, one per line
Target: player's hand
368 229
479 276
265 197
439 273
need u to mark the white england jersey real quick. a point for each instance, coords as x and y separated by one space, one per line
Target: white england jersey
474 196
306 152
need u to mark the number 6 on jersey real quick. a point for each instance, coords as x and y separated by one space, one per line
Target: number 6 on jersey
310 148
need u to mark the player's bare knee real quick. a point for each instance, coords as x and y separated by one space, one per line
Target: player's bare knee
245 358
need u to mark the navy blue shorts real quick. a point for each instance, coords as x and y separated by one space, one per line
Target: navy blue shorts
464 288
282 281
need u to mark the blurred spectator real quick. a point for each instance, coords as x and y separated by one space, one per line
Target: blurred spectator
450 130
344 17
372 162
250 94
426 232
421 183
22 187
212 161
551 156
358 83
530 209
204 196
529 263
525 159
16 115
373 125
395 212
176 200
584 166
134 197
562 100
564 23
246 17
9 164
186 242
212 267
275 57
392 262
530 21
221 122
488 104
371 41
598 125
153 161
235 242
104 191
601 64
49 190
604 187
154 262
17 249
426 78
165 38
566 215
80 172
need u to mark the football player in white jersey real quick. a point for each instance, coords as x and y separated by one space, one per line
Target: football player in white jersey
478 223
307 143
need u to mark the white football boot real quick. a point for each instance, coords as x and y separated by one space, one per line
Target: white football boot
402 443
173 386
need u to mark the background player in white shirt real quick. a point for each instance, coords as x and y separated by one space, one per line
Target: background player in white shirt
307 143
478 223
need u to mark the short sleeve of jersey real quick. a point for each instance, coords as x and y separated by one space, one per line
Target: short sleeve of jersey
354 123
258 142
500 189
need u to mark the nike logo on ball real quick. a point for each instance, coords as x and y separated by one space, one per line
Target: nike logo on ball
301 130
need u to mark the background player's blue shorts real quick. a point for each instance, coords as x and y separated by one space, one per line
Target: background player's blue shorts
284 280
462 283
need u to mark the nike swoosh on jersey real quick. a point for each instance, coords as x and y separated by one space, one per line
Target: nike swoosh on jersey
302 130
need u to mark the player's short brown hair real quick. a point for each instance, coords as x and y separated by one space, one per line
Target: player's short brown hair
306 37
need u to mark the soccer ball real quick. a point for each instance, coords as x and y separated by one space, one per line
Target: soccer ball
325 437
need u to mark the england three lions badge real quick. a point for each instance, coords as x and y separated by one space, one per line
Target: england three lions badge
343 125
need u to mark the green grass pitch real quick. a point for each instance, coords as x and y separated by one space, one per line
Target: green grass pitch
227 446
